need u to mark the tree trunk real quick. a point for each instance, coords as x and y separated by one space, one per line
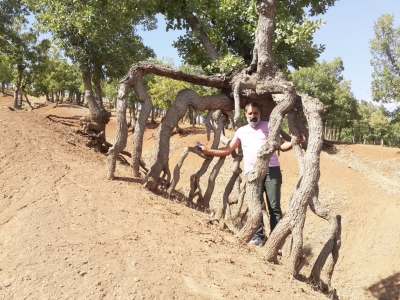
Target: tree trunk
96 79
263 60
28 102
3 87
204 39
134 79
99 116
293 221
122 131
17 90
152 116
146 108
132 118
57 96
263 82
184 99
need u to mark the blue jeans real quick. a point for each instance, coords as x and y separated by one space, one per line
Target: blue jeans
271 185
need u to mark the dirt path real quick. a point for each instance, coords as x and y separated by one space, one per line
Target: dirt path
69 233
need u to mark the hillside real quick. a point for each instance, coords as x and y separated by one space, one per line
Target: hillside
69 233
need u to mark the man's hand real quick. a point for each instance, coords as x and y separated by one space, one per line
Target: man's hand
299 139
203 148
286 146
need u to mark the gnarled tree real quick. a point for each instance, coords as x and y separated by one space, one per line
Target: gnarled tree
262 82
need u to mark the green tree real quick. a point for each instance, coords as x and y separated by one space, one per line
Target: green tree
376 125
9 11
208 37
385 50
6 72
380 123
26 55
325 81
56 77
100 37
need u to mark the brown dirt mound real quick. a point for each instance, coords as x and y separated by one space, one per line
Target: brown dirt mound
68 232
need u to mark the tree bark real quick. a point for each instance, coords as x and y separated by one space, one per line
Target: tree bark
96 79
17 90
293 221
331 247
99 116
263 60
120 139
203 37
185 98
134 79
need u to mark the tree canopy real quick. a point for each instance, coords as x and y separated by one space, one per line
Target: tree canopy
215 29
9 11
325 81
385 50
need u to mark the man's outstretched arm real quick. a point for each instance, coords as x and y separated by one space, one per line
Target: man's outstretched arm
224 151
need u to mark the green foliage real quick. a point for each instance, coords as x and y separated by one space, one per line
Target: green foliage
375 125
293 44
201 90
385 50
6 71
110 89
380 122
226 65
56 75
162 89
25 54
100 34
10 10
231 24
325 82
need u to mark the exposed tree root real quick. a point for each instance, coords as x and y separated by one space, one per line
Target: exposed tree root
68 121
29 102
185 98
293 221
332 246
9 108
263 83
121 136
330 251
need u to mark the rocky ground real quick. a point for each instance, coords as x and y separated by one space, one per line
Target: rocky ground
67 232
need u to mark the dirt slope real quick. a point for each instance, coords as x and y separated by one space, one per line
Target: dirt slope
69 233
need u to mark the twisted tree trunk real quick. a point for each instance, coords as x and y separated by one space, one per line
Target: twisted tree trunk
293 221
185 98
134 79
263 83
17 90
119 142
99 117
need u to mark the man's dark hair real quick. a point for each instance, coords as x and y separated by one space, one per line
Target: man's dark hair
252 104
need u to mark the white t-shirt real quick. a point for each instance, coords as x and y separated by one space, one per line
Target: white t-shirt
252 138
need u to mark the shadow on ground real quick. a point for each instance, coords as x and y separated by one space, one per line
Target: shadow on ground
387 288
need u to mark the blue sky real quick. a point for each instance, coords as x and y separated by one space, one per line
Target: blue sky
346 34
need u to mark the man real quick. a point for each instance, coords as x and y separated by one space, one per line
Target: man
252 137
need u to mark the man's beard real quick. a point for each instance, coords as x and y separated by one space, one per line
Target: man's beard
253 121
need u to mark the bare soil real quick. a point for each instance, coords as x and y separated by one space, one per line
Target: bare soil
66 232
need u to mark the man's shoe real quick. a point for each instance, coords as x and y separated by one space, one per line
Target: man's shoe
256 241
